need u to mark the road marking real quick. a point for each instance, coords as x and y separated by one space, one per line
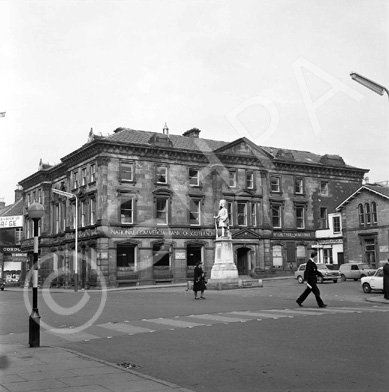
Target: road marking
215 317
297 311
125 328
255 315
368 309
75 337
174 323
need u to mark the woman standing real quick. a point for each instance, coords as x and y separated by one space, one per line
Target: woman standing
199 281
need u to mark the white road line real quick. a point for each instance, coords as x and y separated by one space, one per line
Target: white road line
297 311
216 317
75 337
255 315
175 323
125 328
367 309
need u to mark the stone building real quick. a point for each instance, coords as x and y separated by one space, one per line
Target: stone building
146 203
365 220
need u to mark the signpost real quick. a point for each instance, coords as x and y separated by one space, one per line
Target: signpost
70 196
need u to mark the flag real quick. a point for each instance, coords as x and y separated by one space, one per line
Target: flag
2 114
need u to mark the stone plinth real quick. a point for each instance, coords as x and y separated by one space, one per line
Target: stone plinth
224 268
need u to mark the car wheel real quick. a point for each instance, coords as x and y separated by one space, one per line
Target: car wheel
2 289
343 277
335 280
320 279
300 279
366 288
355 280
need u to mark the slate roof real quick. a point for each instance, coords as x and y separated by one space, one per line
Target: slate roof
128 135
13 209
377 189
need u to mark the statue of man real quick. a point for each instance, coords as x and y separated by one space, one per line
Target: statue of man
222 217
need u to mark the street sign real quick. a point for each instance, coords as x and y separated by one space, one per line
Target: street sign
62 193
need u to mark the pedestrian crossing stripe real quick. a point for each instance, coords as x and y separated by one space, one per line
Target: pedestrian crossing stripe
126 328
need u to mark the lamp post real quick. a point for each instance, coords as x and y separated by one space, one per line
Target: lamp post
35 212
377 88
69 195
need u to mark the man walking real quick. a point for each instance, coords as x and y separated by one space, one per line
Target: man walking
310 276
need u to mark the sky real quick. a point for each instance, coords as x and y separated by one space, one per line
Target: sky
274 71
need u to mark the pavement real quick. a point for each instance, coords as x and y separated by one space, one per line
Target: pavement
55 369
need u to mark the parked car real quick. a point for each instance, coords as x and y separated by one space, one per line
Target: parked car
2 284
374 282
355 271
326 272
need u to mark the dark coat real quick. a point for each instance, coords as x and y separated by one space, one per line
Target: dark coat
386 280
199 280
311 272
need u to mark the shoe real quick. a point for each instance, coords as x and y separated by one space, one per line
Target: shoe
202 297
197 298
323 306
299 304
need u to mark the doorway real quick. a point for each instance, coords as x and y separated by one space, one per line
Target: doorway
242 260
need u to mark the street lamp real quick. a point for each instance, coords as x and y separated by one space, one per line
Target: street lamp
35 212
69 195
377 88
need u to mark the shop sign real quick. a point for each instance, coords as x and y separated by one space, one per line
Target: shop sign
159 232
330 241
293 234
81 234
11 221
10 249
180 255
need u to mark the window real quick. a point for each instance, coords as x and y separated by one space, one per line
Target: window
242 214
324 188
299 186
230 209
300 217
327 256
323 223
75 179
367 214
63 216
33 197
57 219
83 176
39 196
361 214
18 235
374 212
127 210
83 213
232 179
254 214
74 223
336 224
92 172
277 256
162 211
194 177
161 255
276 216
92 211
194 213
126 171
125 258
28 200
275 184
193 255
250 180
162 175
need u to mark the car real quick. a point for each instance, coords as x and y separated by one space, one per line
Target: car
374 282
2 285
355 271
326 272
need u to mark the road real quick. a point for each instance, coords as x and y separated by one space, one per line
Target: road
235 340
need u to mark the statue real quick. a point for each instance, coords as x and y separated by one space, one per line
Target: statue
222 218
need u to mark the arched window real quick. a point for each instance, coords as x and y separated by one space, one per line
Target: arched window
367 214
374 212
361 215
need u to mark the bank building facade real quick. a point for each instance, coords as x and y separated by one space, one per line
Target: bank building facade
147 200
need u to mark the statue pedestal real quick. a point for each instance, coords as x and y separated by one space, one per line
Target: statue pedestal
224 269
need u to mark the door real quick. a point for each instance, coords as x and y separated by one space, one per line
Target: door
340 258
242 261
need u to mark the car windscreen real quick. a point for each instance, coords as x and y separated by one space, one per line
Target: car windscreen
364 266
